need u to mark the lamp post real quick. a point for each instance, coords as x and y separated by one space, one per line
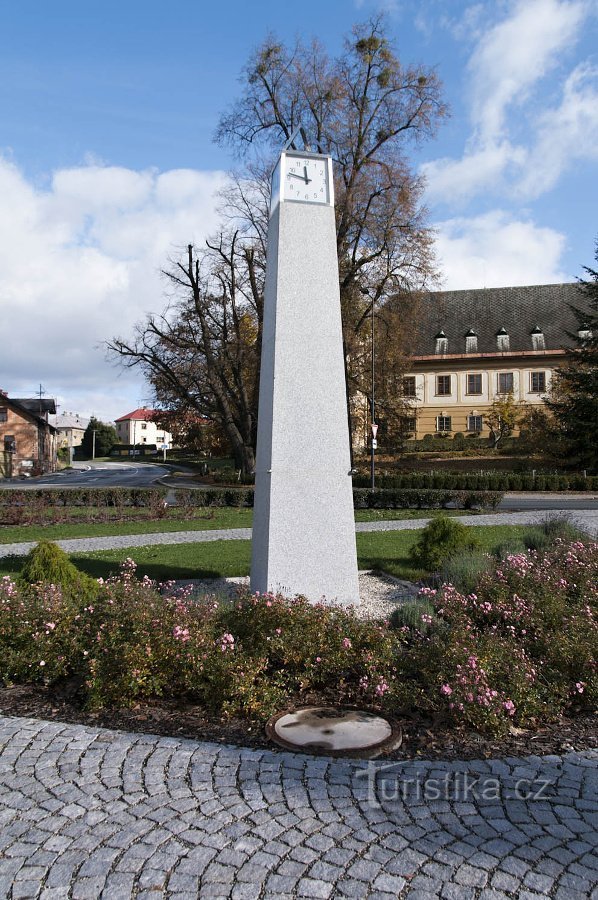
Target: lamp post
373 409
374 427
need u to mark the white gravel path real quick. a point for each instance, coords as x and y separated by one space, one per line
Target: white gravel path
379 593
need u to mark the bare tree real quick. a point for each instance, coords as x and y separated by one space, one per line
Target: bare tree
366 110
203 353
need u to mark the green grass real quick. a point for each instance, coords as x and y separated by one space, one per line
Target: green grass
207 519
387 551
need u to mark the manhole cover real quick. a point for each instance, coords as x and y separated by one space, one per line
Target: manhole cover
333 730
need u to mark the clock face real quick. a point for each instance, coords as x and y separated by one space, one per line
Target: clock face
305 179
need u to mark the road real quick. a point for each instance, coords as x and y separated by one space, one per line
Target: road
130 474
96 475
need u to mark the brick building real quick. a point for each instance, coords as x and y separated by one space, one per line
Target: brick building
28 442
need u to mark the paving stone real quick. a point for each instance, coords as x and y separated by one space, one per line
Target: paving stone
472 876
457 892
122 820
311 887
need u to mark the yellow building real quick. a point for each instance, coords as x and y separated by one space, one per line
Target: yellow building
474 346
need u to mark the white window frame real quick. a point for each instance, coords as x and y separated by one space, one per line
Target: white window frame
448 393
444 419
473 375
469 419
534 390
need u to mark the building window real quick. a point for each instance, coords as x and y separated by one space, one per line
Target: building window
502 341
3 414
143 425
9 443
537 382
443 423
407 423
538 342
474 384
409 386
441 343
475 423
443 385
505 382
471 342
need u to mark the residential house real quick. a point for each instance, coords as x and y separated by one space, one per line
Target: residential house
27 439
473 346
139 427
70 429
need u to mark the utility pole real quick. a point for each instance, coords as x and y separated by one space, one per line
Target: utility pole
374 443
93 444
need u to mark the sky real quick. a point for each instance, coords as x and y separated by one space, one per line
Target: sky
108 165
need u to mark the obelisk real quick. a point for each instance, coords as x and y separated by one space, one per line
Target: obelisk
303 524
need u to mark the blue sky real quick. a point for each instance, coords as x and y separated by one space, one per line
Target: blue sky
107 164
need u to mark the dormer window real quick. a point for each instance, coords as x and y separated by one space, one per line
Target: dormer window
584 333
502 340
441 343
538 342
471 341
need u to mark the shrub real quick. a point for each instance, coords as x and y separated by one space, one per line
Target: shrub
439 540
519 649
418 613
463 571
307 647
47 563
509 548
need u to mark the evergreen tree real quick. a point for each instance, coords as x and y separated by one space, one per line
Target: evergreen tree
105 438
574 395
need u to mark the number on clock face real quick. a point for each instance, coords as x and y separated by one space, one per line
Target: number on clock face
306 179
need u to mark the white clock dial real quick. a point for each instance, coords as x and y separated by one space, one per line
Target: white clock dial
305 179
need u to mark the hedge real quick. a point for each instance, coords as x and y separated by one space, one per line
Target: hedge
20 506
102 497
490 481
424 498
39 507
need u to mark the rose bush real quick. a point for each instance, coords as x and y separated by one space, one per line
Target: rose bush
520 649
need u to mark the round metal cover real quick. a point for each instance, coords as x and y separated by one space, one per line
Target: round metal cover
333 730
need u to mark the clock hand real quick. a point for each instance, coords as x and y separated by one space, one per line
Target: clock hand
294 175
307 180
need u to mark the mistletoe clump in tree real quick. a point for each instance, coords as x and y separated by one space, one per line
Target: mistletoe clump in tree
574 394
367 111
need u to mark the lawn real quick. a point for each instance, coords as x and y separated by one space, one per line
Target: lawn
385 551
205 519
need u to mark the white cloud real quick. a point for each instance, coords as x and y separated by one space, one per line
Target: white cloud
456 180
497 250
515 54
79 263
566 134
506 73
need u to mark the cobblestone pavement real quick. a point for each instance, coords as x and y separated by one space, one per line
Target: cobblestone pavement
91 813
586 518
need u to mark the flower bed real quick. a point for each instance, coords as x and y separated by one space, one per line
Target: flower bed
520 650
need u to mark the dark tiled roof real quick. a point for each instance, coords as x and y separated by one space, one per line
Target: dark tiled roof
30 409
36 405
517 310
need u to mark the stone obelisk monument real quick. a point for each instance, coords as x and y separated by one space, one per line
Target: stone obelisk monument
303 524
